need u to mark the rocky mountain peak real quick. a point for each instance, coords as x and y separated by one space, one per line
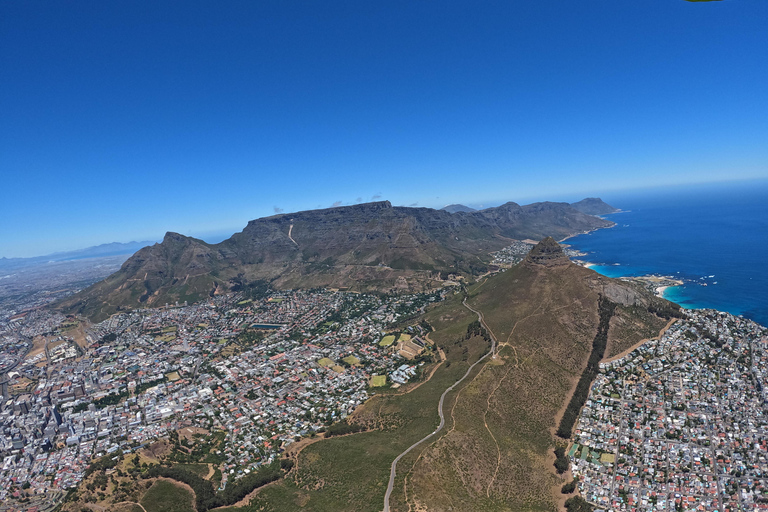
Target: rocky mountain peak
171 237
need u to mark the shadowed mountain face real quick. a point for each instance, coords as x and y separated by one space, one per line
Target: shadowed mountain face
366 246
455 208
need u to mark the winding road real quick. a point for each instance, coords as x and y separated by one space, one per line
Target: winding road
393 469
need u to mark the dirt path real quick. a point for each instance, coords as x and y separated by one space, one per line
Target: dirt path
123 503
248 497
393 468
485 422
640 343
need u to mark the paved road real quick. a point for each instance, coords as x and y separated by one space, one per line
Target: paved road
4 377
393 469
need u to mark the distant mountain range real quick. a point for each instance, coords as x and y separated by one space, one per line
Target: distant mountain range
590 206
98 251
371 246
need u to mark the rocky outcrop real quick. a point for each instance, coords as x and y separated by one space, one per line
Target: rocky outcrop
547 253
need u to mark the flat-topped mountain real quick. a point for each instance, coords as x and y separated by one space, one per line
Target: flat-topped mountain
594 206
366 246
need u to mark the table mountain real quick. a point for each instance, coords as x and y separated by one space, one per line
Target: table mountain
365 246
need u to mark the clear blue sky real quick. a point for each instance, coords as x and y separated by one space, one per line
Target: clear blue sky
121 120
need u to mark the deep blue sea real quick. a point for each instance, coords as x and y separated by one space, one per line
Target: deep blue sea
715 235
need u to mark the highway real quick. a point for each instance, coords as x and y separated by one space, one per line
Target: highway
393 468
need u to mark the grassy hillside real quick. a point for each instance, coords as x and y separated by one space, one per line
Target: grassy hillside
497 453
165 496
351 472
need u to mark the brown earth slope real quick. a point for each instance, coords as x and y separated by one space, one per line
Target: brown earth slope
497 452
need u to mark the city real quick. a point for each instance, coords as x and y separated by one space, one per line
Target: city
679 423
257 373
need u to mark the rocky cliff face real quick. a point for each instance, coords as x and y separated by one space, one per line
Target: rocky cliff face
372 245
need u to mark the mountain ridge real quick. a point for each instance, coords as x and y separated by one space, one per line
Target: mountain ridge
369 246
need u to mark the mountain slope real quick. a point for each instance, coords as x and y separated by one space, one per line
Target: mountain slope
594 206
495 451
544 314
366 246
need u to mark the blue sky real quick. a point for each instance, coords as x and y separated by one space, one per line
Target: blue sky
122 120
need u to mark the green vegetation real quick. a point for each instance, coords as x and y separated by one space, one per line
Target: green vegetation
569 487
378 381
350 473
110 399
561 460
387 341
106 462
341 428
578 504
351 360
206 497
496 453
165 496
200 470
253 290
202 450
140 388
606 309
108 338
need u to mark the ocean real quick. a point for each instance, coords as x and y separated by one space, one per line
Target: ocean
713 237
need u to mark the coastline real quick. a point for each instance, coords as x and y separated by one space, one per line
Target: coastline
586 232
644 246
655 283
596 229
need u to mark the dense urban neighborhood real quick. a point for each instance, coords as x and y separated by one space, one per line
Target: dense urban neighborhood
680 423
256 373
